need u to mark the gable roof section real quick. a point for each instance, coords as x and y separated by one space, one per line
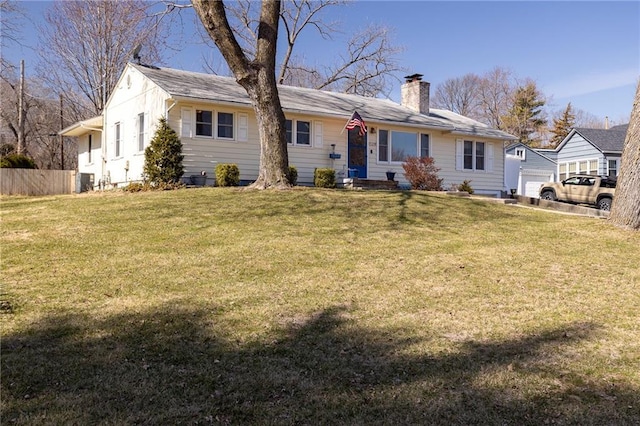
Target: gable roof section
539 152
611 140
207 87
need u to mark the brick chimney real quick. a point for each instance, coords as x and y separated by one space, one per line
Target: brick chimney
415 94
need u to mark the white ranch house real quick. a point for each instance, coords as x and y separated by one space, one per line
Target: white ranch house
216 124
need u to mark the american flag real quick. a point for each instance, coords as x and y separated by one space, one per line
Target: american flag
356 121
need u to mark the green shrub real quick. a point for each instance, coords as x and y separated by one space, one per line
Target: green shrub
163 157
227 175
17 161
466 187
324 178
292 175
422 173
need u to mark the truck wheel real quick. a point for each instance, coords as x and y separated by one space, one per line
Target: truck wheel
604 204
548 195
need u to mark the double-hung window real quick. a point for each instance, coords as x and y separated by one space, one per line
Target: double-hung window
425 149
298 132
473 155
204 123
225 125
613 167
117 139
141 132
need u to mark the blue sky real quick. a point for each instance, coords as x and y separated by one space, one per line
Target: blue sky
586 53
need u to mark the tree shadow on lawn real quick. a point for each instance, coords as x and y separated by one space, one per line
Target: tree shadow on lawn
177 366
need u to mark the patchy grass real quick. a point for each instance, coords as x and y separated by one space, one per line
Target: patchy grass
314 307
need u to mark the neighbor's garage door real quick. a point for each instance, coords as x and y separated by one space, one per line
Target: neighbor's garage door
530 181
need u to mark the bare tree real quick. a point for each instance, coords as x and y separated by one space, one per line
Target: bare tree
367 67
257 76
459 95
625 211
497 88
86 45
42 122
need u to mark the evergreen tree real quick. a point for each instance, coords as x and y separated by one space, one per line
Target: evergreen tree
163 157
562 126
525 116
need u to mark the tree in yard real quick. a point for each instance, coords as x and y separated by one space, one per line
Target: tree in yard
257 76
163 157
459 95
525 117
366 67
625 211
86 45
562 126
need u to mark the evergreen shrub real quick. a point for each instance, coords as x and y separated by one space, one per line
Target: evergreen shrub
227 175
324 178
292 175
465 186
17 161
163 157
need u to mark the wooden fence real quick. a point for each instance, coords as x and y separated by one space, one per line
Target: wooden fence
37 182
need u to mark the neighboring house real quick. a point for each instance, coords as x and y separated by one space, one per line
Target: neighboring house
591 151
216 123
536 166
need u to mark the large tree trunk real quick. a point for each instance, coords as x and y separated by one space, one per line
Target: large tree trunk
259 80
625 212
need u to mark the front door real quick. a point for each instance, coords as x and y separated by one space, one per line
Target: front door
357 156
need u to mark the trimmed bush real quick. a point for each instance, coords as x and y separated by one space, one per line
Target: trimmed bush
466 187
422 173
324 178
292 175
17 161
227 175
163 157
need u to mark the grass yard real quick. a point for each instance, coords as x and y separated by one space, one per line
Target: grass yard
220 306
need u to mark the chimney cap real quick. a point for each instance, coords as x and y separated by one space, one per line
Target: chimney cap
413 77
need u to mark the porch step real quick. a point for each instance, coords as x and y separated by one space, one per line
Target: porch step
355 183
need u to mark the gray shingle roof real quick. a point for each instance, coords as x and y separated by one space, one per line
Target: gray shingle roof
207 87
611 140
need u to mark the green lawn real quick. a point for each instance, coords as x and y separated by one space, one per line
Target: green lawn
309 306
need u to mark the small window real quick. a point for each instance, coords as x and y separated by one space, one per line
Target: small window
288 125
613 167
141 132
593 167
117 141
521 152
204 123
424 146
303 133
225 125
468 155
479 155
383 145
90 148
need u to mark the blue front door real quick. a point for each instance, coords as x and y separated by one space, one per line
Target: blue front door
357 161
